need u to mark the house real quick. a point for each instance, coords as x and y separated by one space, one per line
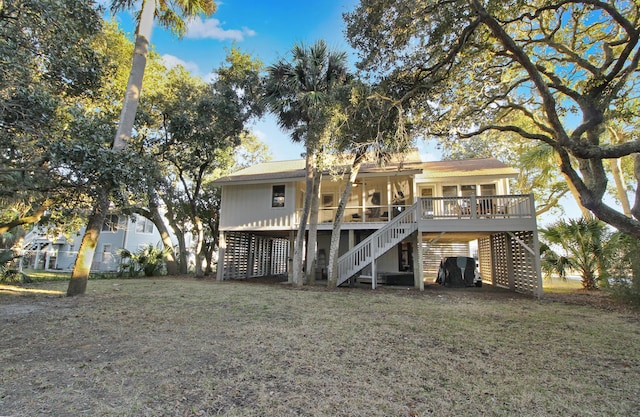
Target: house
400 221
118 231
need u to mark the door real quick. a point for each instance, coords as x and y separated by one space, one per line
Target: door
427 205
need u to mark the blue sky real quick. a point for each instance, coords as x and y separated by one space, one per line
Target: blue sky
267 30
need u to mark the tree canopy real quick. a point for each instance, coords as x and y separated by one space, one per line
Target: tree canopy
49 67
557 72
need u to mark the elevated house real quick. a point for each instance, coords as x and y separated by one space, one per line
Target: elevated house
400 221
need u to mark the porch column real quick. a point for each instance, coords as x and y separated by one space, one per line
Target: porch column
389 200
250 255
36 260
292 239
536 264
494 259
418 265
222 248
510 270
374 273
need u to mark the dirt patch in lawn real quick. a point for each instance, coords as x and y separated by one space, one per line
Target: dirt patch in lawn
187 347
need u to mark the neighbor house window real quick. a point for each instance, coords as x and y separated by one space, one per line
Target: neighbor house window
277 196
106 253
144 225
110 223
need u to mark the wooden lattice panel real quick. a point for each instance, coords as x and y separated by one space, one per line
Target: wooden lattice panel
485 259
279 256
249 255
500 256
524 269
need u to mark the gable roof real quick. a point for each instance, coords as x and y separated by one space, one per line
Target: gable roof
467 168
294 170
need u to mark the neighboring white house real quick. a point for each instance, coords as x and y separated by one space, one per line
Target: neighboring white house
400 220
118 231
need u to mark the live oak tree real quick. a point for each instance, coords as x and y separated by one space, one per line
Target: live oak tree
198 126
170 15
48 70
551 71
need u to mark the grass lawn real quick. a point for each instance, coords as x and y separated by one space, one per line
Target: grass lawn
186 347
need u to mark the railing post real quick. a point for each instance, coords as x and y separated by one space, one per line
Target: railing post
532 205
474 206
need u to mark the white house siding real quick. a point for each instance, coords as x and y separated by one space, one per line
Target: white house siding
248 207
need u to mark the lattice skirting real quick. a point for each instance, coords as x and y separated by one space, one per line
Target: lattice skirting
514 266
248 255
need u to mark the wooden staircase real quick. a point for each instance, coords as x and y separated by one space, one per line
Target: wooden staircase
366 252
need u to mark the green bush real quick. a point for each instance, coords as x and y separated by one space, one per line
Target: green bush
149 260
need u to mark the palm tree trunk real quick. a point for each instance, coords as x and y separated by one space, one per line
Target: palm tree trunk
312 239
80 274
298 275
82 266
134 85
332 268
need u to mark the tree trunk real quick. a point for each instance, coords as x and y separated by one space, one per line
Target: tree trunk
134 85
82 266
170 259
312 239
616 173
298 276
80 274
183 267
332 268
183 262
33 218
198 246
586 213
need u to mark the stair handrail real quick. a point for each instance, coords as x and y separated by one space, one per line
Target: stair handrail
370 239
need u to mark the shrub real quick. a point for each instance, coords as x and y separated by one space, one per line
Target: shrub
148 260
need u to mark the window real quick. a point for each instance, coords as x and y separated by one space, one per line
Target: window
327 200
449 190
106 253
488 189
144 225
277 196
110 223
468 190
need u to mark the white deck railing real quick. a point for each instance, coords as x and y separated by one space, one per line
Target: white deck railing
477 207
470 207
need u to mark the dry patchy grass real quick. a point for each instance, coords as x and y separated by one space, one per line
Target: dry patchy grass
183 347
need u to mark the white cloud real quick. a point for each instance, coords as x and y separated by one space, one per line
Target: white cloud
210 77
260 134
171 61
211 29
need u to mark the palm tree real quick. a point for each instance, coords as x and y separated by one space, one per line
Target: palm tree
581 242
170 14
301 95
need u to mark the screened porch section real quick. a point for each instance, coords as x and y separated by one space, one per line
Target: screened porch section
380 209
375 199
